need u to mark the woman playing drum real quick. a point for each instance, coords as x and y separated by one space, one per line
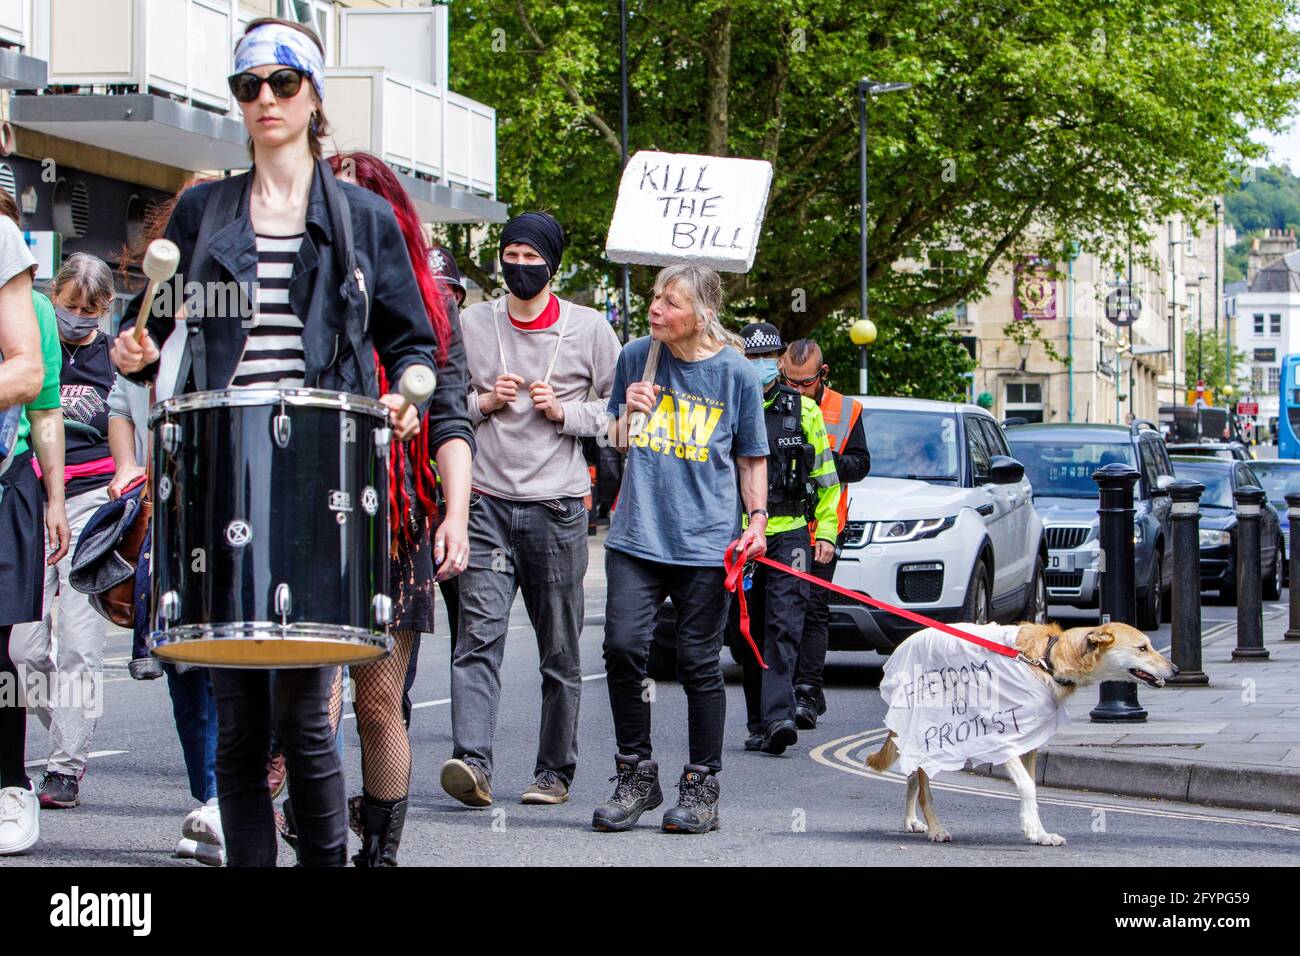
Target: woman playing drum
319 327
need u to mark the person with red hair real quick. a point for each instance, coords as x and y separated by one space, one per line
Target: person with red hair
385 746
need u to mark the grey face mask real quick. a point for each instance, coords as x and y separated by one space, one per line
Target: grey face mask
73 327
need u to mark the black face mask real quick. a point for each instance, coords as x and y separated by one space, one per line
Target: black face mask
525 281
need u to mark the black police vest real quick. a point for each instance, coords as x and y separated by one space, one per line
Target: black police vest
790 490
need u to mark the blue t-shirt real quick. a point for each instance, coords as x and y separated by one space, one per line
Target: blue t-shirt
680 498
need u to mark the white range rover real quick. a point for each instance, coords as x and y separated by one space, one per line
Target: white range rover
944 525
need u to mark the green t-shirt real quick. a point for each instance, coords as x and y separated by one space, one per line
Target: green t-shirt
53 359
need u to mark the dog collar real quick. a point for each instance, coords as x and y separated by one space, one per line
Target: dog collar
1047 661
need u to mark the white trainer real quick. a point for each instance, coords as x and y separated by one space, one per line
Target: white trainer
206 853
20 819
203 825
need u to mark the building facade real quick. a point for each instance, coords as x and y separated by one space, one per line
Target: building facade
1266 317
109 106
1100 371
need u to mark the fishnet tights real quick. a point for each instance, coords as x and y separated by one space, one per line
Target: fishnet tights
385 746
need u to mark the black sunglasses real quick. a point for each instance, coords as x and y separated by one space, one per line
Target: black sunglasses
247 87
804 382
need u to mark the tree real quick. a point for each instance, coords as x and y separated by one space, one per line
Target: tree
1204 356
1028 125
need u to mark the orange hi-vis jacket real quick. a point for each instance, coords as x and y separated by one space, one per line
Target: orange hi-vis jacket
841 415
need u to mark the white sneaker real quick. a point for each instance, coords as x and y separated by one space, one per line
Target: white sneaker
206 853
20 819
203 825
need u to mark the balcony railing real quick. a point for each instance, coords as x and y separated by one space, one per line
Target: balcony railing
416 127
181 48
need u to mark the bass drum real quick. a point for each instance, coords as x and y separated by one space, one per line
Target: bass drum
270 529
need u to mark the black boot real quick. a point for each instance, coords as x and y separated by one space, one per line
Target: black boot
381 825
697 802
805 707
636 792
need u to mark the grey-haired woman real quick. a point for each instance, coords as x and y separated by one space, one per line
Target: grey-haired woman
67 648
679 507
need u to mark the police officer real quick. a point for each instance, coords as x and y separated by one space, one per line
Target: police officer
802 486
803 369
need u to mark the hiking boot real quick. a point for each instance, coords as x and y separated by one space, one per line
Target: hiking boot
467 782
636 791
697 802
549 787
779 735
59 791
754 742
805 707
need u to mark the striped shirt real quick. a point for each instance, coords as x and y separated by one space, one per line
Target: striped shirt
273 353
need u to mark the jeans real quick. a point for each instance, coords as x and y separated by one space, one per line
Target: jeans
299 713
540 549
777 602
194 708
816 630
68 653
636 589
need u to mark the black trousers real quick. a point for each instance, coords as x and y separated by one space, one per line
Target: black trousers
298 713
636 589
816 629
777 605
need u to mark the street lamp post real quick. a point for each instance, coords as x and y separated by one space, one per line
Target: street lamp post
863 334
1200 326
866 88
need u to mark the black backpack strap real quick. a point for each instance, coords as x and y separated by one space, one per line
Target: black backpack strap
344 245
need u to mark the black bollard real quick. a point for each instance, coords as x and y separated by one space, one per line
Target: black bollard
1293 516
1118 701
1250 597
1185 522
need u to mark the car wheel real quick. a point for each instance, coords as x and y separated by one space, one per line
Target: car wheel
1148 612
1273 583
1035 610
977 607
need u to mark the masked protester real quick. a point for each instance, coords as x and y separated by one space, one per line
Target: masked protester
67 647
541 370
803 369
802 488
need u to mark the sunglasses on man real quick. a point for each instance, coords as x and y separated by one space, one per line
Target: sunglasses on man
285 84
805 382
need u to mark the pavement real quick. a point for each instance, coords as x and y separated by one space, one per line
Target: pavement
1232 743
816 805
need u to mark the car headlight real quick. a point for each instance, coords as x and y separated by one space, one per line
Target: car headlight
1214 539
894 532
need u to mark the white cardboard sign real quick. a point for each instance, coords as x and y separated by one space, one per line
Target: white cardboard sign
678 207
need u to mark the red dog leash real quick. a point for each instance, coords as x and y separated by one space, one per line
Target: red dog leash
735 568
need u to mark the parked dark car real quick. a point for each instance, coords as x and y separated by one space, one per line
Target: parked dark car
1279 477
1218 523
1227 450
1059 461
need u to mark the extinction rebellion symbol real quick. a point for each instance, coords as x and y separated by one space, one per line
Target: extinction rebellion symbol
370 501
238 534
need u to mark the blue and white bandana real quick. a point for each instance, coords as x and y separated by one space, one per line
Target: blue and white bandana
275 44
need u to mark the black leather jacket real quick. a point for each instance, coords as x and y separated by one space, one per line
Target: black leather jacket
342 325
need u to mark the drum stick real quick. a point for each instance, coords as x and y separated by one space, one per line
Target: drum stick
417 384
160 262
638 422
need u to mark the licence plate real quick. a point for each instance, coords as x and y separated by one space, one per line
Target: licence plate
1060 561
